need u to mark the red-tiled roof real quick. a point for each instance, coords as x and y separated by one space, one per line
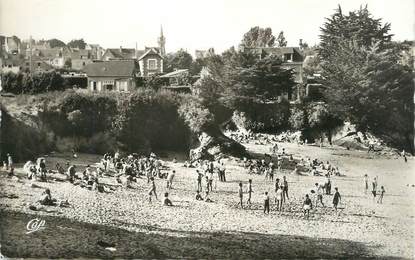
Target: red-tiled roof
111 68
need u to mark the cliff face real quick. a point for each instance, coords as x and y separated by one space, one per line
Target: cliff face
23 135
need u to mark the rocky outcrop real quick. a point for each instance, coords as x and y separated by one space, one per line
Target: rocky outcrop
214 145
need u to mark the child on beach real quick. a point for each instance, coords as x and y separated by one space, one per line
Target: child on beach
266 203
152 190
381 193
319 191
249 191
278 198
167 201
199 180
366 181
374 187
336 198
307 205
170 177
240 194
285 188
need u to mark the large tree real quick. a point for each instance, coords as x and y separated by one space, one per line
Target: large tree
366 83
77 43
259 37
281 41
53 43
368 87
358 26
178 60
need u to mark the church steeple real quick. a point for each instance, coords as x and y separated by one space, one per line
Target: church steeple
162 42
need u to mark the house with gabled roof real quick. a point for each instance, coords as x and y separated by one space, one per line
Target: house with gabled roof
150 60
112 75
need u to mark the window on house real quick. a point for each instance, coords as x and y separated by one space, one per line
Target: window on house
38 64
152 64
83 63
27 63
94 85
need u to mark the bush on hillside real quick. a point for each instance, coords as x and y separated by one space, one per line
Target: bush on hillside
149 120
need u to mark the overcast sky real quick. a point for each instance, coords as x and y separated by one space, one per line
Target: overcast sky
188 24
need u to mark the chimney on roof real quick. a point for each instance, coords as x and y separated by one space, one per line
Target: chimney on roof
301 43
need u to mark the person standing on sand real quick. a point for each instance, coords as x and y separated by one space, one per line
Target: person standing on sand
152 190
336 198
366 180
374 187
277 186
170 177
285 188
278 198
240 194
249 192
9 162
199 180
266 203
381 193
319 191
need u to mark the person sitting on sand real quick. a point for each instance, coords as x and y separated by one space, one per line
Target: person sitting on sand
71 173
198 196
60 169
307 205
46 199
166 200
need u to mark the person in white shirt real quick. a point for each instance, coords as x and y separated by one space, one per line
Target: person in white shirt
170 177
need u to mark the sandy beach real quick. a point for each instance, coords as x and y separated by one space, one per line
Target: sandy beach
124 220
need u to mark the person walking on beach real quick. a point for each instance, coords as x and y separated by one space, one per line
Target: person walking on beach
240 194
152 190
266 203
366 180
336 198
319 191
381 193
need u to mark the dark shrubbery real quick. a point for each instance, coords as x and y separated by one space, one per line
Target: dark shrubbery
149 120
25 83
